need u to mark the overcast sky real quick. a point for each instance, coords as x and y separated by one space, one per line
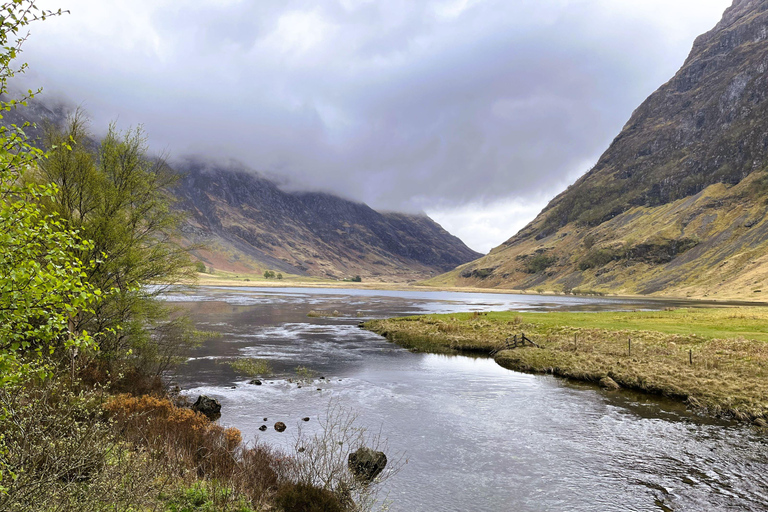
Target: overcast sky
474 111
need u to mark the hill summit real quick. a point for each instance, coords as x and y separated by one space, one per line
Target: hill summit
677 204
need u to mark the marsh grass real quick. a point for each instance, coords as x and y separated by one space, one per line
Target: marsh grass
251 367
728 348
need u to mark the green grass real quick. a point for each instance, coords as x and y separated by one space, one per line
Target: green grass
205 497
728 376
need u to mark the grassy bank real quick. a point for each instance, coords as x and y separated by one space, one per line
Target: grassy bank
715 359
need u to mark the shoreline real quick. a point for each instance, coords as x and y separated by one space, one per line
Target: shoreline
206 280
717 372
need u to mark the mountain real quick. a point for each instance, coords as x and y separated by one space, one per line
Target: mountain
247 223
243 222
677 204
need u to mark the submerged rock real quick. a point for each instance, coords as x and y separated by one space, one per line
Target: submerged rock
366 464
280 426
609 383
209 407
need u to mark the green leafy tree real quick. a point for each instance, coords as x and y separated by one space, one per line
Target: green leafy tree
118 197
43 285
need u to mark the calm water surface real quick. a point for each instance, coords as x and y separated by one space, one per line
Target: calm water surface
476 437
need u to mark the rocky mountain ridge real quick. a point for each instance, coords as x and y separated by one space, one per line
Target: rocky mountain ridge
677 203
247 223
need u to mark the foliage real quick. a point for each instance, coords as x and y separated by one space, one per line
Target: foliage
269 274
251 367
117 197
305 374
200 267
599 257
538 263
65 456
307 498
189 443
42 281
205 496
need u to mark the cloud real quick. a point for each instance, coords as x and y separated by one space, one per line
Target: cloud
437 105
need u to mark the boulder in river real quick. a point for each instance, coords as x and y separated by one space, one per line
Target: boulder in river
305 419
609 383
263 428
209 407
366 464
255 382
280 426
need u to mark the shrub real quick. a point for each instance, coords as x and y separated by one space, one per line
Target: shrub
66 456
538 263
306 498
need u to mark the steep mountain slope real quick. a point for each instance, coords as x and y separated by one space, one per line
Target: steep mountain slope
248 223
677 203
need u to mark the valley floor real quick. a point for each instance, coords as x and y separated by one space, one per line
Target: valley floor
715 359
223 278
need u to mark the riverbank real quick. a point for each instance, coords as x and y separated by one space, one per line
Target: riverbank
233 279
715 359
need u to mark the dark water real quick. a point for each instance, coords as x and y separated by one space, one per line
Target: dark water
476 437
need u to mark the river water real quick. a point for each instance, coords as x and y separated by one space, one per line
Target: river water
472 435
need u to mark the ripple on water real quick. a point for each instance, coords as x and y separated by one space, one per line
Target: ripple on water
478 437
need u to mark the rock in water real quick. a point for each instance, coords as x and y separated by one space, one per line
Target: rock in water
280 426
609 383
366 464
263 428
210 407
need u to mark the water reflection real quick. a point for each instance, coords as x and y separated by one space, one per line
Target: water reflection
477 437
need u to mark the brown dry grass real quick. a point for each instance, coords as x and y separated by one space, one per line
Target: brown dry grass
192 447
728 374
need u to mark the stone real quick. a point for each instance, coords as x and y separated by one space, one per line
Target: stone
255 382
263 428
305 419
265 419
209 407
609 383
366 464
280 426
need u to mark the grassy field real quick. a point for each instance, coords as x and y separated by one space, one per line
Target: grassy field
715 359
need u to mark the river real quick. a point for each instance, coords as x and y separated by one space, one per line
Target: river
471 435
